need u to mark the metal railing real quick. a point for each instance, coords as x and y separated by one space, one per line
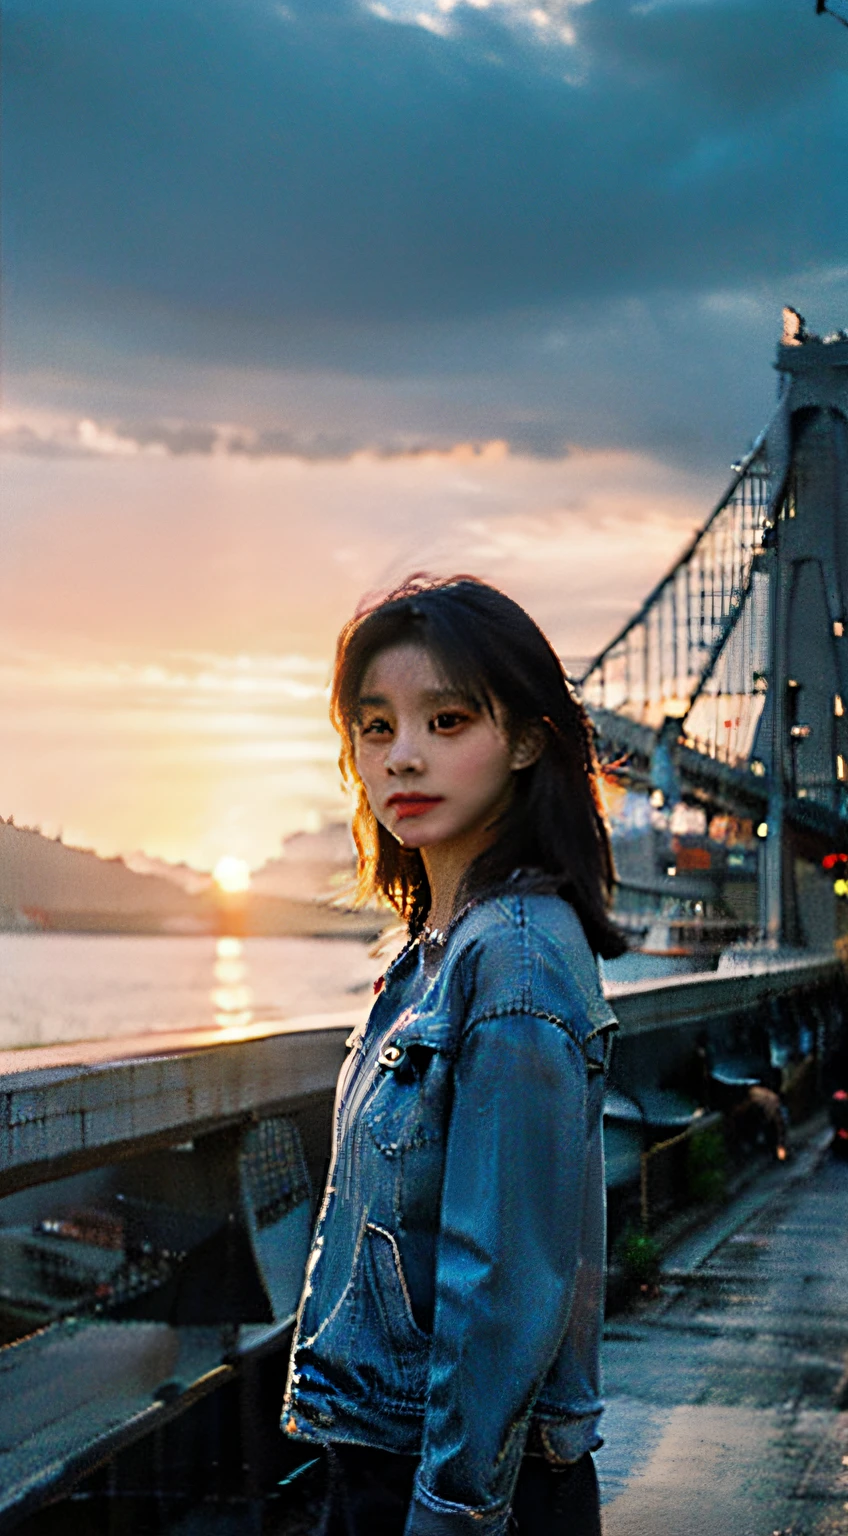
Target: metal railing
666 1183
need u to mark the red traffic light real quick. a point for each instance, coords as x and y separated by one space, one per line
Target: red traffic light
830 860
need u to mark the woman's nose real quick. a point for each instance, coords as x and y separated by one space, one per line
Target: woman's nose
404 755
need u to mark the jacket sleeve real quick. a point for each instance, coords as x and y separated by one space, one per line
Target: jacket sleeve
506 1265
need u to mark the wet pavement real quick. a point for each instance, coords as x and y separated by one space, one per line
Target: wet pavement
723 1392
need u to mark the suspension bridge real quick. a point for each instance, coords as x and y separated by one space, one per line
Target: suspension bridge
728 689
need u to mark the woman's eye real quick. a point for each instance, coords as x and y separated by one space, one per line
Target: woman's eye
376 727
449 720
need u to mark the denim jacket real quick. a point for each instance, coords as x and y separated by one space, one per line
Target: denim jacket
454 1292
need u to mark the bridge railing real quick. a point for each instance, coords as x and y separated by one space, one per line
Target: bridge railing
59 1121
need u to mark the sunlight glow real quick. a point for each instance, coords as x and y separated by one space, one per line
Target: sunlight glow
232 997
231 875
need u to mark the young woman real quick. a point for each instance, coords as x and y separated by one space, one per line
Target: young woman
446 1349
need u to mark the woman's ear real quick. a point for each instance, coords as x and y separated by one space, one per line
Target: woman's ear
528 748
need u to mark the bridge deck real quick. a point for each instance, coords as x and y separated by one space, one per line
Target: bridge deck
725 1395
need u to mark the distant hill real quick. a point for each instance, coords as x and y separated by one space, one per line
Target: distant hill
45 884
191 880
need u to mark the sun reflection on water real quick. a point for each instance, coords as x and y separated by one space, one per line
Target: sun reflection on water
232 997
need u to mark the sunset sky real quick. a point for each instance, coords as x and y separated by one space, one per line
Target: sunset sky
301 297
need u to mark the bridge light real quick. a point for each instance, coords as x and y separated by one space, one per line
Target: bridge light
757 767
762 829
840 766
840 887
838 706
671 870
800 732
656 799
838 628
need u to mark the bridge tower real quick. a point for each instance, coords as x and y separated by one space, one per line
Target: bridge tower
802 737
729 687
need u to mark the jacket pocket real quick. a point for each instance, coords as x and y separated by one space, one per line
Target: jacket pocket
407 1103
390 1336
370 1343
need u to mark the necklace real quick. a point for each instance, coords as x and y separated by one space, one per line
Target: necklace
430 935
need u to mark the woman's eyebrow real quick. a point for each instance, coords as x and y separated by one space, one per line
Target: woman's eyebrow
429 696
450 696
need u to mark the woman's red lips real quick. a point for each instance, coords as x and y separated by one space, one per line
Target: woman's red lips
413 805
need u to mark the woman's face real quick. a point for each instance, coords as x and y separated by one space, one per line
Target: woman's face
435 767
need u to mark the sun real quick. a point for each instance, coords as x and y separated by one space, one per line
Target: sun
231 875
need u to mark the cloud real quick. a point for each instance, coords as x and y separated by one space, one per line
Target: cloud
316 230
256 179
683 378
549 22
174 681
42 435
229 555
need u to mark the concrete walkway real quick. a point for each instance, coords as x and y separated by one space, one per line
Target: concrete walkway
722 1414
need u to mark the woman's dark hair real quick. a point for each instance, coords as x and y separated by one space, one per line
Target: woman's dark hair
487 647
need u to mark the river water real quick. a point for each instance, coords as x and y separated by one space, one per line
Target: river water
57 987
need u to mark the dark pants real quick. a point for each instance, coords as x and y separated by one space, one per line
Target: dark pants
370 1492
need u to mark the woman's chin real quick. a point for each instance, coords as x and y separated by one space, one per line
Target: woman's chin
413 837
411 834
